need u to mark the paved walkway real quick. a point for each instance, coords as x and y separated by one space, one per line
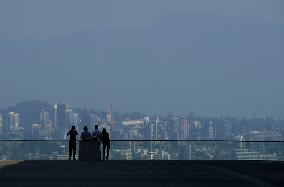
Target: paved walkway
141 173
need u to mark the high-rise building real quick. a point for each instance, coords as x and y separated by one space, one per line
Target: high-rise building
157 128
228 130
72 119
211 130
5 125
61 117
94 120
45 124
195 131
14 121
149 129
36 131
173 128
55 117
109 114
117 132
44 118
183 130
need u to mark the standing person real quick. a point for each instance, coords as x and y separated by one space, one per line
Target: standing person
97 135
86 134
106 143
72 142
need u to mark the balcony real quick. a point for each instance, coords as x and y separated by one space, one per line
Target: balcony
145 163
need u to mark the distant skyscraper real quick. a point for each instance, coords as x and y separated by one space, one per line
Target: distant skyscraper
75 119
211 130
94 119
14 121
61 118
228 130
45 124
157 128
195 131
183 130
72 119
55 117
149 129
5 124
109 113
44 118
36 131
173 128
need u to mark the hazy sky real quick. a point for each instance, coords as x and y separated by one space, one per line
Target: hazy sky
211 57
45 18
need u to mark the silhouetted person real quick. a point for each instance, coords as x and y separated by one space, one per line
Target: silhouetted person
106 143
72 142
86 134
97 135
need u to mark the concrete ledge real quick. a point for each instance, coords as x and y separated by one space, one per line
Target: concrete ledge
141 173
89 150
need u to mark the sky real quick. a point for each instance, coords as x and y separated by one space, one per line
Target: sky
213 58
48 18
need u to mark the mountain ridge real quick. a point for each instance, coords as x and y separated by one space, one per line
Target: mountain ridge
170 65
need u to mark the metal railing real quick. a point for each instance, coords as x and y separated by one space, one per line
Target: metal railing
149 150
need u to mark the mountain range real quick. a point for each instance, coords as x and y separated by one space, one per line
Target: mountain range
206 63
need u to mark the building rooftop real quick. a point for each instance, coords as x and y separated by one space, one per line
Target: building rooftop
141 173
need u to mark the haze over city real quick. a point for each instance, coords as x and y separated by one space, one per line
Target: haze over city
212 58
141 93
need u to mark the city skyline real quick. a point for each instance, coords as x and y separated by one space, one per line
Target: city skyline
116 108
141 92
42 128
44 121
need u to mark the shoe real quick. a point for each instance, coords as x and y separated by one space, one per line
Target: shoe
69 158
74 159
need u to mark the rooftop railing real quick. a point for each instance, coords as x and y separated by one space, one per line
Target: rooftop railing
149 150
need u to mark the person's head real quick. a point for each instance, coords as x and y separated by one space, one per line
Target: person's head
96 127
85 128
104 130
73 128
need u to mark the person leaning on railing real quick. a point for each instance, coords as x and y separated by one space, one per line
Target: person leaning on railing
106 143
97 135
86 135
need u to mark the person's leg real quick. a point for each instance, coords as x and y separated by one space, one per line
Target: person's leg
100 152
104 151
70 150
108 147
74 150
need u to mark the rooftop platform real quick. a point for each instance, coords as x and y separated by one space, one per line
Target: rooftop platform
141 173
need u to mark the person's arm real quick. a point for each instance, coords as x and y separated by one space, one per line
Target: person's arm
76 133
68 133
